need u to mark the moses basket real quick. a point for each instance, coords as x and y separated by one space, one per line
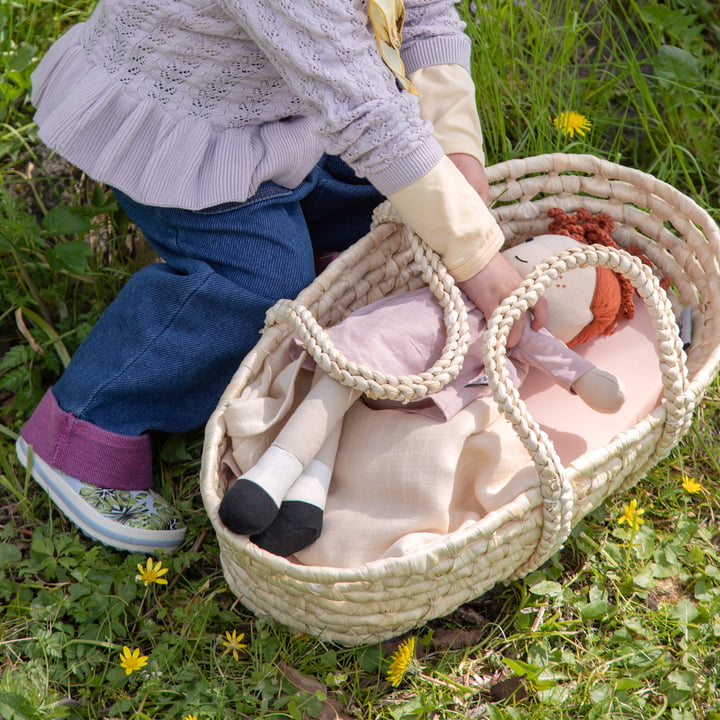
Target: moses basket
388 597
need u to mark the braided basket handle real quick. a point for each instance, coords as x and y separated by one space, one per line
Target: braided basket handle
374 383
556 488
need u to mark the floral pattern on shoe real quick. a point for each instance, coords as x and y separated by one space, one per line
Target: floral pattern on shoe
134 508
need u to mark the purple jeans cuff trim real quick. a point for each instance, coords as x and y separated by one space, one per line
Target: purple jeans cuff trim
86 452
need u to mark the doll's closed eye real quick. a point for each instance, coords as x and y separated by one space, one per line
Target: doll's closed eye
523 260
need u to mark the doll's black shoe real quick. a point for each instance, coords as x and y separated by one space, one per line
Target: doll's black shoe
246 508
297 525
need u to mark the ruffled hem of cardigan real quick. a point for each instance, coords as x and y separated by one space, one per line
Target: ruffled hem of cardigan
151 154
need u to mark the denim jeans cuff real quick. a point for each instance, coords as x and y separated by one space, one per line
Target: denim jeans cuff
87 452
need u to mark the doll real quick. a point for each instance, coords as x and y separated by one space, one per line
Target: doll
279 502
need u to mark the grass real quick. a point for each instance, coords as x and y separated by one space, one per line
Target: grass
623 623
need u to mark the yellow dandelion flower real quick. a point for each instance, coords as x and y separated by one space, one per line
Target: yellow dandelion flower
132 660
632 515
571 123
400 661
190 717
233 643
691 485
152 572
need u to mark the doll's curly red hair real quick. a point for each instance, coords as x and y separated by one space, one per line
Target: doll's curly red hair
613 298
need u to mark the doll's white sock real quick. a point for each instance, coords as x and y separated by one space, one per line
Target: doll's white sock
312 486
311 432
253 502
299 522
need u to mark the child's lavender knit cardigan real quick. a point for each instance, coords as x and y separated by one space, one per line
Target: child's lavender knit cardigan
192 103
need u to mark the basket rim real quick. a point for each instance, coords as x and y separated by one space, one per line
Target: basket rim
585 163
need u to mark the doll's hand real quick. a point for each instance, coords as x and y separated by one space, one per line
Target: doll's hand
488 288
474 173
601 390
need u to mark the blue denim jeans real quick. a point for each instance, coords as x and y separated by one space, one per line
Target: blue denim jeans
163 352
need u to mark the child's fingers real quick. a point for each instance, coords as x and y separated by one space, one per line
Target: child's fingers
540 314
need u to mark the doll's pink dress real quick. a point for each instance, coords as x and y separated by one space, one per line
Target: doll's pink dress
404 334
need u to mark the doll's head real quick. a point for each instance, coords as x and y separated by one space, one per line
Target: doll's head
585 302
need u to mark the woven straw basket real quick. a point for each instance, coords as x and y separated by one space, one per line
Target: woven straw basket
385 598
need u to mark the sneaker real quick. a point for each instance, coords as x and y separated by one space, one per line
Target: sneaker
134 520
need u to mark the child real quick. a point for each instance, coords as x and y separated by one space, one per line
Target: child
241 136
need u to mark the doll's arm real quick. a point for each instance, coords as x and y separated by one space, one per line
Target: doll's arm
599 389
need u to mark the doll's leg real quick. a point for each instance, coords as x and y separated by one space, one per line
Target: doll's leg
299 521
252 503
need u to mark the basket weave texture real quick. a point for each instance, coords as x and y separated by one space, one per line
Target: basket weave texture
385 598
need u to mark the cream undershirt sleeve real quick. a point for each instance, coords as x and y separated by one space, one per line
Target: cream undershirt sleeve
447 100
447 213
441 206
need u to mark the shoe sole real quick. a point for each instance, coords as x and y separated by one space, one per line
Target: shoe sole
93 523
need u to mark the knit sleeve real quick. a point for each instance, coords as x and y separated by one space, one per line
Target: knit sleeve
326 52
434 34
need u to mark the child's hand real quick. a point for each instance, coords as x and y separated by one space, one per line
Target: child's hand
474 173
488 288
498 279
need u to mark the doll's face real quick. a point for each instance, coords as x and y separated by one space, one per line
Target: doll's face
570 297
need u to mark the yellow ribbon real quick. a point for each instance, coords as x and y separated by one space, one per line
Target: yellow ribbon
387 18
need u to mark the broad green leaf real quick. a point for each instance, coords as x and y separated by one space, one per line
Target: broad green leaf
61 220
685 611
547 587
71 256
15 707
597 610
22 58
628 684
679 686
522 668
600 692
678 65
175 450
9 554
